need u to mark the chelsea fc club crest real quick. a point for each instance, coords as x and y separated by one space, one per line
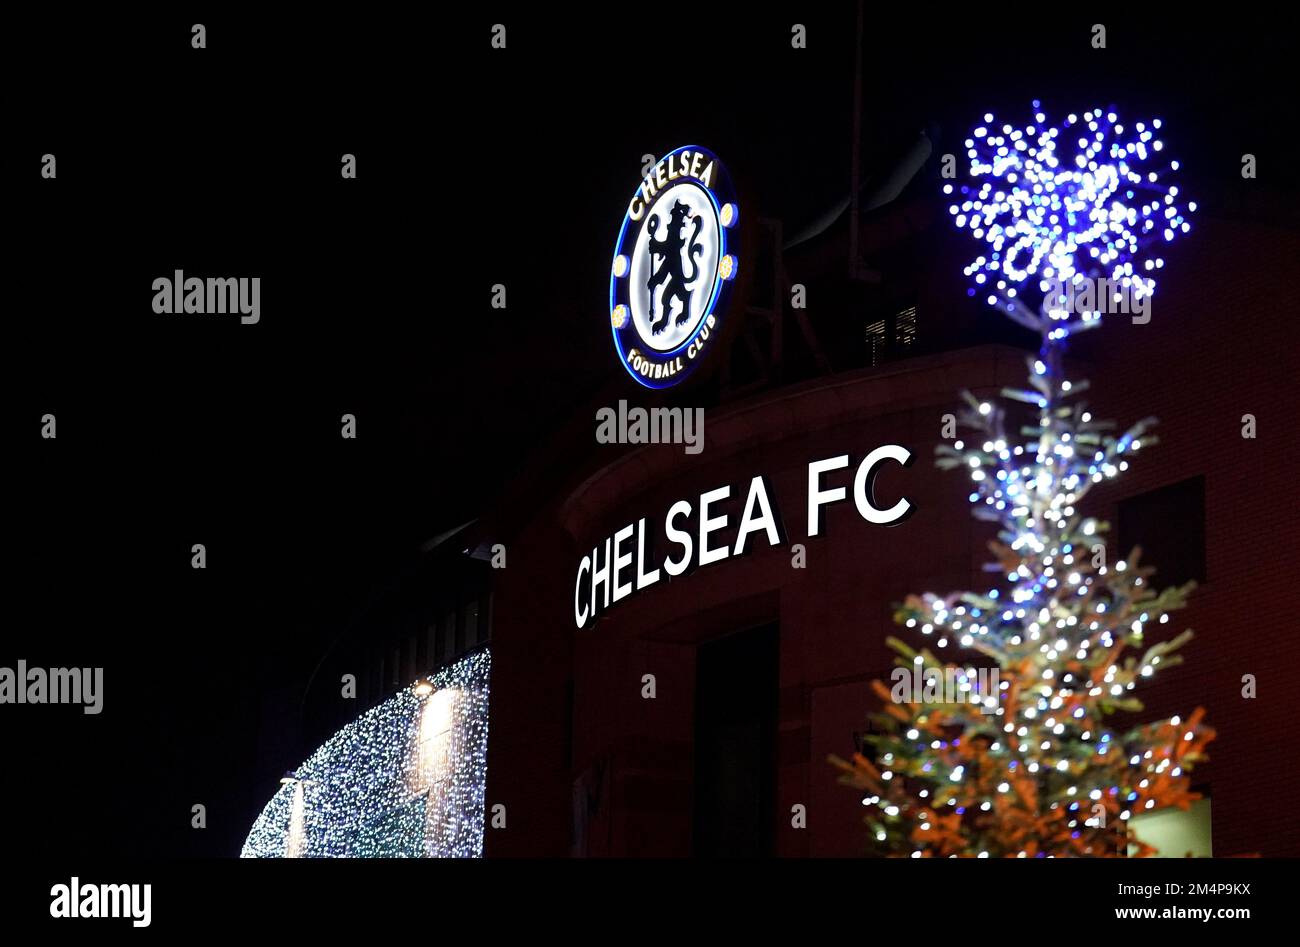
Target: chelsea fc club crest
673 266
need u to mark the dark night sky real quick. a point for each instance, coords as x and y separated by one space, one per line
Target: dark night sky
375 302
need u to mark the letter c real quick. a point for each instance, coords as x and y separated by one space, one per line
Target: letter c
580 613
864 486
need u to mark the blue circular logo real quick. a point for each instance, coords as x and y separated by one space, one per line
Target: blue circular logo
673 266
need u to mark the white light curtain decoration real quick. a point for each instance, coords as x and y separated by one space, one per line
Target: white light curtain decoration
404 780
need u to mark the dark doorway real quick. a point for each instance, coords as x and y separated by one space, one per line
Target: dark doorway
735 737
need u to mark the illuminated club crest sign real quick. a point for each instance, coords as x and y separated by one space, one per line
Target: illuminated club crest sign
673 266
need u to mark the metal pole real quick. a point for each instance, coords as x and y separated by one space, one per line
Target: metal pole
857 135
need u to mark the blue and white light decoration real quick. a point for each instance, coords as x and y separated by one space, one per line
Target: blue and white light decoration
1049 221
1078 201
406 779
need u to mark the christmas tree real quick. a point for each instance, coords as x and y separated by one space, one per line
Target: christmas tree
1016 758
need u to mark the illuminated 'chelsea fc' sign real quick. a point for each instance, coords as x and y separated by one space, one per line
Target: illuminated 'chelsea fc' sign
626 563
673 266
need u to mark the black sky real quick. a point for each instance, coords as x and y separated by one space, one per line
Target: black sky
476 166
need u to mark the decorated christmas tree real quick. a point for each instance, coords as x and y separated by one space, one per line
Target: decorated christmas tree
1012 753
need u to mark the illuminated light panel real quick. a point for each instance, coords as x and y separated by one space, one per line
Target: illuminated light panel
730 215
727 268
619 316
620 266
406 779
